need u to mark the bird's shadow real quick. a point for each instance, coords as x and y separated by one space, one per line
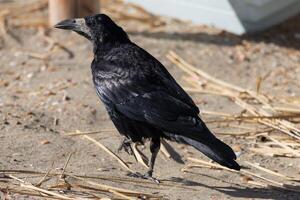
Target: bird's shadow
242 191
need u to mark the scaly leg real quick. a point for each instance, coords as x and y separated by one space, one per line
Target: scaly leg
154 149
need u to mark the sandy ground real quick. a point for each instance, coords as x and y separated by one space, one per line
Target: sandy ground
42 100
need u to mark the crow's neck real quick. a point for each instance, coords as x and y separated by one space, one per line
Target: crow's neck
100 49
106 41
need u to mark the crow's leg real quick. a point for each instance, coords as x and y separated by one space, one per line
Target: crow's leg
154 149
126 145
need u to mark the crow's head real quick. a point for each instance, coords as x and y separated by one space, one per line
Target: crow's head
98 29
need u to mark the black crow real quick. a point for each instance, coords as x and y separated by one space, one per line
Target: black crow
141 97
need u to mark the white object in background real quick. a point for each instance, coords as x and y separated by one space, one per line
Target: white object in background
237 16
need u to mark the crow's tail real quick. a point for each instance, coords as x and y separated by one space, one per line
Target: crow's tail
200 137
214 149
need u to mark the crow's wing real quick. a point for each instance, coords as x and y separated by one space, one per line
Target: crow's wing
150 95
133 70
162 111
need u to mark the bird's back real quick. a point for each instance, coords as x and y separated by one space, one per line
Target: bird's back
129 66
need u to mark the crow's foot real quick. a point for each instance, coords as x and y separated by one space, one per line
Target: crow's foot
144 176
126 146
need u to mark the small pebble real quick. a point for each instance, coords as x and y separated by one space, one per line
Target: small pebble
45 142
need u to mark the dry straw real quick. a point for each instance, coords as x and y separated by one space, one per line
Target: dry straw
256 105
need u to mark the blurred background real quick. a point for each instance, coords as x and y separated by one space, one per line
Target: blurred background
239 60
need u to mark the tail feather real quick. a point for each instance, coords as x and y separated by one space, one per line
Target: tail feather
216 150
210 146
200 137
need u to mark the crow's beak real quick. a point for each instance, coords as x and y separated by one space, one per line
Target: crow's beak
78 25
69 24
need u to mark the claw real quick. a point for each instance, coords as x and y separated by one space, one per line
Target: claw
125 144
147 176
135 175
